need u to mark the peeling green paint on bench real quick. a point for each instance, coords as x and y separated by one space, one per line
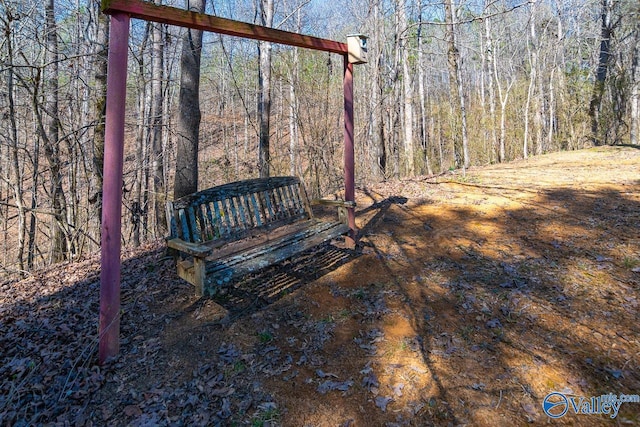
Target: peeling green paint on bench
238 228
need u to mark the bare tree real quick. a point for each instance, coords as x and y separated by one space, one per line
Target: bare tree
532 50
634 137
264 90
140 203
424 129
461 145
294 130
50 136
376 100
490 54
14 165
407 89
186 180
607 26
157 126
100 60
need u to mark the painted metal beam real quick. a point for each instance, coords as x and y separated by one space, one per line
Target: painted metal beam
349 162
185 18
109 339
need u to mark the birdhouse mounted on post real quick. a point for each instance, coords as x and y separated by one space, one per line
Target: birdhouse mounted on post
357 46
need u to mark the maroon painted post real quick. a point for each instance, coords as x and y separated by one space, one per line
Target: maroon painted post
109 345
349 163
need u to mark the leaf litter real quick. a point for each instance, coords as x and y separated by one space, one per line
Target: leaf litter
469 320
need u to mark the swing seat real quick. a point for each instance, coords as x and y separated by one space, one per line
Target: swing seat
231 230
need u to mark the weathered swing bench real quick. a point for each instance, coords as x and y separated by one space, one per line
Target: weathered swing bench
234 229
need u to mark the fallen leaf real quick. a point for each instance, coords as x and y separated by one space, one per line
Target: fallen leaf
132 411
494 323
330 385
323 374
530 410
225 391
397 389
382 402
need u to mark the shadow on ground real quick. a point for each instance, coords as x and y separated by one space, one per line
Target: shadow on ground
467 303
48 335
511 299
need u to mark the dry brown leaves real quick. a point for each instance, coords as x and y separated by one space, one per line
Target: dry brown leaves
471 299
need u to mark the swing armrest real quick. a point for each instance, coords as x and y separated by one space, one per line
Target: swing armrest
338 203
193 249
342 205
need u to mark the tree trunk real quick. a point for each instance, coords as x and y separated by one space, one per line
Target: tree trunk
157 125
102 48
264 90
634 134
482 39
397 106
293 117
407 91
552 109
540 105
601 71
14 166
461 145
51 136
293 105
503 95
424 133
492 91
139 206
378 147
186 180
532 48
463 119
503 121
33 219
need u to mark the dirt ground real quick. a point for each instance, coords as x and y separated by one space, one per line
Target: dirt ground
470 298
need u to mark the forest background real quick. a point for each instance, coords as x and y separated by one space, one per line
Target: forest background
448 85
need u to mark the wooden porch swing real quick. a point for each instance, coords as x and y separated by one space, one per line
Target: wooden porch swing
235 229
215 219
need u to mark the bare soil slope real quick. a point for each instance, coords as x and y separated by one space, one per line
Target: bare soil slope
471 298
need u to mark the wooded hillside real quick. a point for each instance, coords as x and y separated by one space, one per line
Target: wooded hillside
448 85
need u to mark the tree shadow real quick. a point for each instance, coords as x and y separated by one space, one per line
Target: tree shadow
505 292
49 339
504 303
245 296
637 147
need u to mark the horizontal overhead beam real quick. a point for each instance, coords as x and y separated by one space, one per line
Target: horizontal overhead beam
185 18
